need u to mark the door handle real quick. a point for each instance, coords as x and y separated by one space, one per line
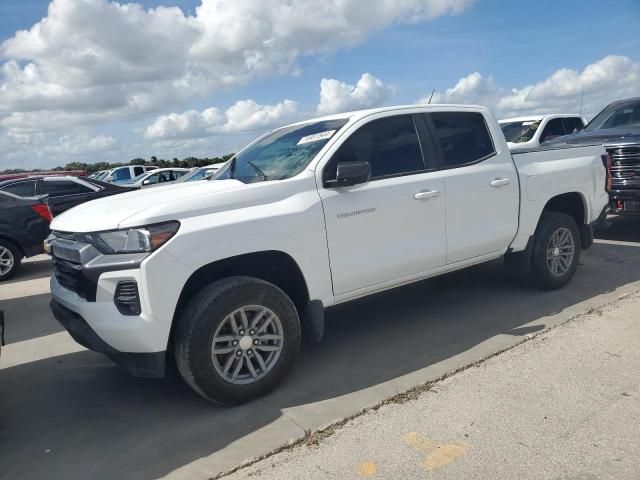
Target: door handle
426 194
499 182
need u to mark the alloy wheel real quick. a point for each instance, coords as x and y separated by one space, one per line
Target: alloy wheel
247 344
6 261
560 252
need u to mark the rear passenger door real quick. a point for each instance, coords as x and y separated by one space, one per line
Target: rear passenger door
392 226
481 184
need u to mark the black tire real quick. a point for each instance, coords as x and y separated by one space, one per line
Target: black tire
538 273
17 258
204 314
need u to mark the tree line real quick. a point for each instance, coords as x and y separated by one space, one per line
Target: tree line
90 168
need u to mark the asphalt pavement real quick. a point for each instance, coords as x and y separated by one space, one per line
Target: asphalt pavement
565 405
71 414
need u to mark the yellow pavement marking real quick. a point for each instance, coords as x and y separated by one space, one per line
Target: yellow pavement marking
438 455
366 469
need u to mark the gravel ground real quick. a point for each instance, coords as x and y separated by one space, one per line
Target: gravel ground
563 405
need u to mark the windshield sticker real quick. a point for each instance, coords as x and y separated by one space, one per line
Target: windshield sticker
316 137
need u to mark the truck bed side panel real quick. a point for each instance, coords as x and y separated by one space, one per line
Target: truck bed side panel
547 173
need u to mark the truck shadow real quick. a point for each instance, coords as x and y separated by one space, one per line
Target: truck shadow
623 228
78 416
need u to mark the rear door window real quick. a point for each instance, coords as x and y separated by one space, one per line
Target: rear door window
390 145
138 171
463 137
553 130
84 189
58 188
572 124
25 188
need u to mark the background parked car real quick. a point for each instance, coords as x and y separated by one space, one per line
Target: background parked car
156 177
99 175
127 172
202 173
531 131
617 127
64 192
24 224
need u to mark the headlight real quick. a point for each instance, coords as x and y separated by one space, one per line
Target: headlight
132 240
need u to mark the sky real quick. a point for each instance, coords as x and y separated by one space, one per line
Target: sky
96 80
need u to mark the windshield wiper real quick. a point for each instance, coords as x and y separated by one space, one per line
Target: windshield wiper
258 171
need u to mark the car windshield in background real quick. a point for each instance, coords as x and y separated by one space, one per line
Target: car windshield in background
281 154
624 114
520 132
199 174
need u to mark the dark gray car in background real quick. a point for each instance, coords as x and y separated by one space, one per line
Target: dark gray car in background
64 192
24 224
617 127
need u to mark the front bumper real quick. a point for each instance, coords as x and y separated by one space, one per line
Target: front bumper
138 364
126 333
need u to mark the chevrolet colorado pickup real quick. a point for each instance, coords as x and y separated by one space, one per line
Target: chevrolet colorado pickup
224 275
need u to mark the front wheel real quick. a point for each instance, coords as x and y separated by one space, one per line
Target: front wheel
237 339
556 252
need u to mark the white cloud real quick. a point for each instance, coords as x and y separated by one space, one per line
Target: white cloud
28 150
96 59
83 144
248 116
337 96
243 116
610 78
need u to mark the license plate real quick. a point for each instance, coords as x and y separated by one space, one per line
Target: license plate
631 206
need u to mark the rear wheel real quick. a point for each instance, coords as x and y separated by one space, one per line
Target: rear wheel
556 252
237 339
10 259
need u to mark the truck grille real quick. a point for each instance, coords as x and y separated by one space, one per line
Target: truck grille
625 168
68 274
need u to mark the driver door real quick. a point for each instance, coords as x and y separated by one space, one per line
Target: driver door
393 226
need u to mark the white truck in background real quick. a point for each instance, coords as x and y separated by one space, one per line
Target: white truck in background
531 131
223 275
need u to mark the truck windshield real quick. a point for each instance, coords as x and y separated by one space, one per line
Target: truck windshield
521 131
281 154
622 114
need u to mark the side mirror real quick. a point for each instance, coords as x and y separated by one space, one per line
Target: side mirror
350 173
146 182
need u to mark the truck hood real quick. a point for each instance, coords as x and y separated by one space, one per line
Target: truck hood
608 136
113 212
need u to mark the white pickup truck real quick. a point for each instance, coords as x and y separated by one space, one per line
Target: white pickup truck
224 275
523 133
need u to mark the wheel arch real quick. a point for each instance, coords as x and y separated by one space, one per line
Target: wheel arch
572 203
272 266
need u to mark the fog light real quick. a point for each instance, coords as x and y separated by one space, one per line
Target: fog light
126 298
